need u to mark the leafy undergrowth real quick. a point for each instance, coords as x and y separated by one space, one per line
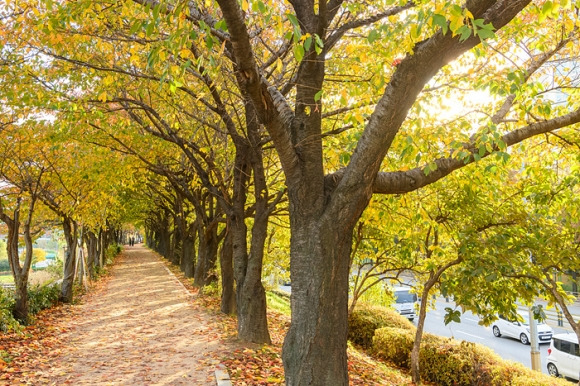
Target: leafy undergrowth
254 364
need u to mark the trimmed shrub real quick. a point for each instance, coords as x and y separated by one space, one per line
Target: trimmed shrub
449 362
446 361
365 319
394 345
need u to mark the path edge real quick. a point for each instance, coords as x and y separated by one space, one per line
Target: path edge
222 377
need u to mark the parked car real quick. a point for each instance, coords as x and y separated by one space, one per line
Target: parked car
564 356
521 330
405 302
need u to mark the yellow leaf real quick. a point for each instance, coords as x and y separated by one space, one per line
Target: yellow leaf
103 96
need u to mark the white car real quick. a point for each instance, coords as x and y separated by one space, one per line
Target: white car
405 302
564 356
521 330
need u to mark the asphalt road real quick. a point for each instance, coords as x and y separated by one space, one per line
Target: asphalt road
471 331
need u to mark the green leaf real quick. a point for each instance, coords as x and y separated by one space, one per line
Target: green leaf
441 21
298 52
293 19
451 316
373 35
307 43
150 28
465 32
318 41
317 96
222 25
209 42
136 26
485 34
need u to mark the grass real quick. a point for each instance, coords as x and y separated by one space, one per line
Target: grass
35 277
6 279
278 303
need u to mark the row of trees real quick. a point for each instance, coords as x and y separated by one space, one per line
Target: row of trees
341 131
41 190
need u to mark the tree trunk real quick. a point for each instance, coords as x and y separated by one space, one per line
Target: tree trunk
70 235
228 300
176 247
251 295
92 253
207 256
314 350
415 370
188 255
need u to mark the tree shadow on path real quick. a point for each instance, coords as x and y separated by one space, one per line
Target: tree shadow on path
139 329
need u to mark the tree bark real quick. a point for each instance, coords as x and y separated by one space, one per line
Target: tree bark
415 370
92 253
207 256
188 257
228 300
314 350
70 235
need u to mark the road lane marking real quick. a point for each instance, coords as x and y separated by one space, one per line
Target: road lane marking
468 334
472 320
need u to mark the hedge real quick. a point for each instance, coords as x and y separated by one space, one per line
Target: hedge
446 361
365 319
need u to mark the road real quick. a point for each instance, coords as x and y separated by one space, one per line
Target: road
471 331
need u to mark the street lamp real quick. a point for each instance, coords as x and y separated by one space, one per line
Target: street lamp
534 346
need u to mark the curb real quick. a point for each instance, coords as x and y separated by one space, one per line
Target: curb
221 376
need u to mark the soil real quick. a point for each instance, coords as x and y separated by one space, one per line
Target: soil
140 328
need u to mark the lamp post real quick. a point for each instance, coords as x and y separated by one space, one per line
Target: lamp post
534 346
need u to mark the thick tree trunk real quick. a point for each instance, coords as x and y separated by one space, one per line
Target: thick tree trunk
207 256
20 310
92 253
70 235
315 347
188 255
251 295
228 300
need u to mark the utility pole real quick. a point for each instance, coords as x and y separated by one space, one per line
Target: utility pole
534 346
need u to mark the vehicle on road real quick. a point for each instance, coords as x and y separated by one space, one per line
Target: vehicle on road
564 356
521 330
406 302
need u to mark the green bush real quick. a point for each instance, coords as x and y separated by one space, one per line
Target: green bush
112 251
4 265
42 297
446 361
365 319
7 321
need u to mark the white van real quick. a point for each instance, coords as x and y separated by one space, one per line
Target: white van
564 356
406 302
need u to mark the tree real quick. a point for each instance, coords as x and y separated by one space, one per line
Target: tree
309 77
21 186
324 209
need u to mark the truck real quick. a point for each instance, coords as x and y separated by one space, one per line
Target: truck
406 302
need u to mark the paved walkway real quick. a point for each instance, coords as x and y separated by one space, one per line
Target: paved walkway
139 329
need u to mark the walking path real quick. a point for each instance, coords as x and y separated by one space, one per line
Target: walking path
139 329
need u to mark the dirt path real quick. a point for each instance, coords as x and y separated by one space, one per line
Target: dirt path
139 329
